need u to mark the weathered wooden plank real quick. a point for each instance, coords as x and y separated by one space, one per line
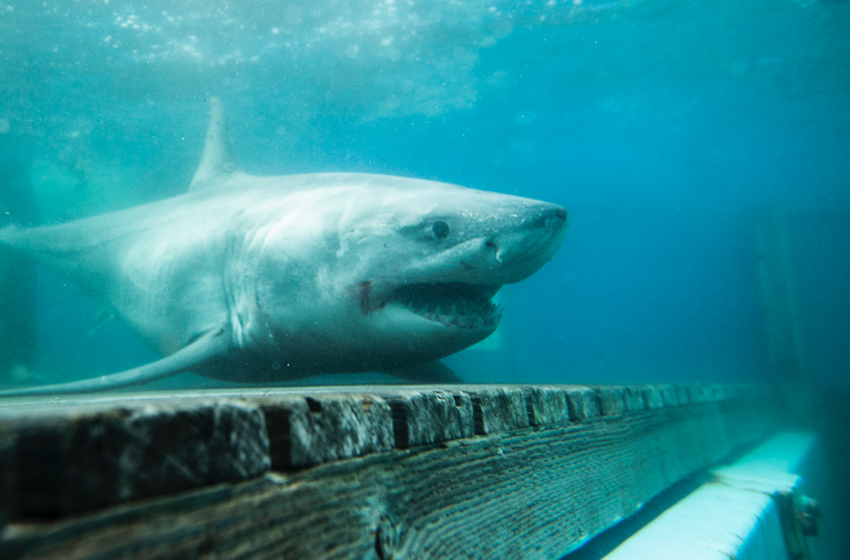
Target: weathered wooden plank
59 461
8 476
423 417
546 405
634 399
612 400
652 397
583 403
498 409
668 395
555 467
312 429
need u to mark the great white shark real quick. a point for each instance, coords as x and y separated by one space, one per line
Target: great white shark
264 279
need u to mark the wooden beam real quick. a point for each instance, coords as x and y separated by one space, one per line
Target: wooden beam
386 472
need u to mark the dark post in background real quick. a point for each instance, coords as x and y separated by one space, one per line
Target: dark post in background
18 207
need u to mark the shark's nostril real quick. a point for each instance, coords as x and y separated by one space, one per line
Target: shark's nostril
552 218
490 244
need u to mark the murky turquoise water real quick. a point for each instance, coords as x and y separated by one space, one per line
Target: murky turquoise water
661 125
665 127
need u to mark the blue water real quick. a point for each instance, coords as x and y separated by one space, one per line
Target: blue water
662 125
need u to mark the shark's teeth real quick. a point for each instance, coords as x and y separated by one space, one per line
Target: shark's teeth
464 306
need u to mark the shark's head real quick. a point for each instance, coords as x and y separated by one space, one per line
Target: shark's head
333 272
408 268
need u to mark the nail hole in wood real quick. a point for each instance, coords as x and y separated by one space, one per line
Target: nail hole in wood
314 405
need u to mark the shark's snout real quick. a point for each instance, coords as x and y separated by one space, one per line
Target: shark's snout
526 242
551 218
455 286
555 216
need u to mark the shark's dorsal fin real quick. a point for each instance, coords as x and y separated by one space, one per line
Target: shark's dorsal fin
217 162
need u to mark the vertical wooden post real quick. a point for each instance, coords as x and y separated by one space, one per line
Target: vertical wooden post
787 364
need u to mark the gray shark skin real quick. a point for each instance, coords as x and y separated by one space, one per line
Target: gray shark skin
263 279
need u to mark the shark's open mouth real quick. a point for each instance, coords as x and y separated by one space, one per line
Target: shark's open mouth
465 306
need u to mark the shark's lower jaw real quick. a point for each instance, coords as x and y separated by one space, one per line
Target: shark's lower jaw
462 306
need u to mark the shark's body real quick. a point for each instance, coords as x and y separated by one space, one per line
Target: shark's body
263 279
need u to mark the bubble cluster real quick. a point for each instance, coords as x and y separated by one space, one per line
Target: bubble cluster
375 58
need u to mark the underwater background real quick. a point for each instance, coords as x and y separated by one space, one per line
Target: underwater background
668 128
665 127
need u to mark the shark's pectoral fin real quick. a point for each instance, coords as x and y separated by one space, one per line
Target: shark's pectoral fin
210 346
104 315
429 372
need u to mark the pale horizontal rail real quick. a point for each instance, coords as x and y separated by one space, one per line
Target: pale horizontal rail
736 514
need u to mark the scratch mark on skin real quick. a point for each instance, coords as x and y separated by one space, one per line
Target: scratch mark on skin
365 293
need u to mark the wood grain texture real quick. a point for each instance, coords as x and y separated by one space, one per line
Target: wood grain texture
423 417
465 471
60 461
311 429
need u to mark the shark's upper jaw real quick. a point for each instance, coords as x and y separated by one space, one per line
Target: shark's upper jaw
453 304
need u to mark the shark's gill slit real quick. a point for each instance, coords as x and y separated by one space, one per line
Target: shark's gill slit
365 295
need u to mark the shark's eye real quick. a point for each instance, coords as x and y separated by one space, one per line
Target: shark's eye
440 229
